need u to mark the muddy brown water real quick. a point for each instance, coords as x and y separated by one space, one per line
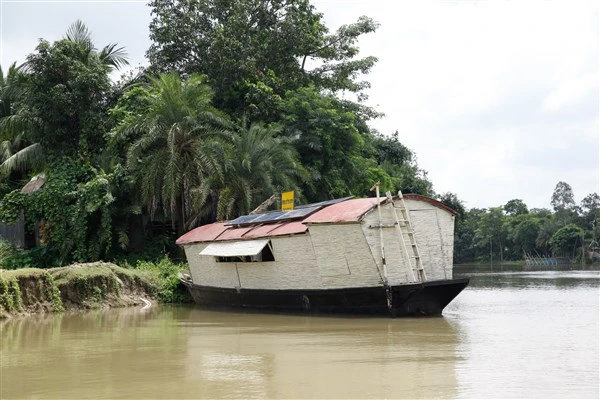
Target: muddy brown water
521 334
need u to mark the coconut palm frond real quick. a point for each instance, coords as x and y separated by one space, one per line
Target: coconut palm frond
80 34
31 156
113 56
12 126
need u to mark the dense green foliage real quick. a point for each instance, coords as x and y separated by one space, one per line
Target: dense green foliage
254 51
512 231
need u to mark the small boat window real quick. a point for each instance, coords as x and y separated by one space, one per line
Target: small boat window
263 252
265 255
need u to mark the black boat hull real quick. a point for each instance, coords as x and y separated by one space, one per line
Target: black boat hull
428 298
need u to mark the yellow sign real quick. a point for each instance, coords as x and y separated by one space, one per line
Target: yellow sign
287 201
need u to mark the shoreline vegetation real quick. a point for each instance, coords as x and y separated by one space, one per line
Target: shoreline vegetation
89 286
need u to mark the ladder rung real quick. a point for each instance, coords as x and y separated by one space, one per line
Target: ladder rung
407 233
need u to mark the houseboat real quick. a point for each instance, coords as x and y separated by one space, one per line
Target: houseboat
390 255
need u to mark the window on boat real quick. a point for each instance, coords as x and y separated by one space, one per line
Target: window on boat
240 251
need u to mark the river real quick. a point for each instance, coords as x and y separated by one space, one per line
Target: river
519 334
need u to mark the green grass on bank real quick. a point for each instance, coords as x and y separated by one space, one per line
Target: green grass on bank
166 273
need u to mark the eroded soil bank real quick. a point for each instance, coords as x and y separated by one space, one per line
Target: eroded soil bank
75 287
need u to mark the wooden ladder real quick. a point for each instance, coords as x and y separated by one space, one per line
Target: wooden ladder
407 233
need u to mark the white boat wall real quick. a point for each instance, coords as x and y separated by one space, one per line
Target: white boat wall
327 257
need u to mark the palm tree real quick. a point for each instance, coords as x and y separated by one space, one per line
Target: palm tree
17 153
179 146
262 163
111 56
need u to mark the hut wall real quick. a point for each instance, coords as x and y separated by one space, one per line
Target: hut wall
434 233
294 266
398 269
207 272
343 256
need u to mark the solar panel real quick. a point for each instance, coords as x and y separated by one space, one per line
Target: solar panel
298 213
302 211
274 216
243 220
325 203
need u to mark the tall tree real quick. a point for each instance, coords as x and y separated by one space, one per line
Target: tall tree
591 209
64 96
178 144
399 162
111 56
490 230
255 50
17 152
328 140
522 234
515 207
566 240
563 202
562 197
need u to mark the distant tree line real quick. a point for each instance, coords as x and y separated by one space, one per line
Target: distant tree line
512 231
242 99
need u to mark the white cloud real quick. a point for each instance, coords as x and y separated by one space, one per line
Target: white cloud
571 92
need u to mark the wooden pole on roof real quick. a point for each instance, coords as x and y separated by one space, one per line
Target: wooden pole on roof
376 188
386 286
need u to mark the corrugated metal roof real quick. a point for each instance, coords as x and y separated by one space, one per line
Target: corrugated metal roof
345 211
235 249
262 231
234 233
289 228
204 233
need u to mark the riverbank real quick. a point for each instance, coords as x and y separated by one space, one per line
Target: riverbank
521 266
75 287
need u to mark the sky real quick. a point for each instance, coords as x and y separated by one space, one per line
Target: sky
499 99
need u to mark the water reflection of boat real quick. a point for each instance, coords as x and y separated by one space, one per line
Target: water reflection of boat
347 255
239 355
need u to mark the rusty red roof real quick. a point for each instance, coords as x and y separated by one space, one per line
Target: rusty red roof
233 233
204 233
219 231
347 211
